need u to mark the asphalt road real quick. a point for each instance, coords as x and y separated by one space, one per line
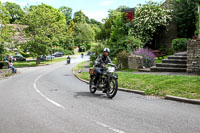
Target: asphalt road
49 99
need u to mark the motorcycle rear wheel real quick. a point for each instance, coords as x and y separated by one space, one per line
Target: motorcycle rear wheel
112 90
92 86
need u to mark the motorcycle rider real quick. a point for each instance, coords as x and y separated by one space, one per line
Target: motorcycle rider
68 60
100 63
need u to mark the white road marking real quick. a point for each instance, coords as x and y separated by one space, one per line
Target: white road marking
109 127
38 91
61 106
51 101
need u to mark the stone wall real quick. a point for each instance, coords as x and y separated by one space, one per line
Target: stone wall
164 39
135 62
193 56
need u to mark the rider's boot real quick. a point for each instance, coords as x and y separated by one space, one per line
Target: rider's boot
105 91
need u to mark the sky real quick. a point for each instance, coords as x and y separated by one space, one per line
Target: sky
96 9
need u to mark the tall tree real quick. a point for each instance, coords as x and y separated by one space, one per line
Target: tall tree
83 35
120 38
15 11
68 13
79 17
108 23
93 21
46 29
150 18
185 12
5 31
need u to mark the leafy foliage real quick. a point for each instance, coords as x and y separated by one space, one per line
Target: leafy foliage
149 19
68 13
15 11
46 28
120 39
97 50
83 35
122 58
5 30
79 17
148 56
185 12
105 32
3 64
180 44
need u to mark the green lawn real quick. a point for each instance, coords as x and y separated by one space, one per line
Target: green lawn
33 63
161 85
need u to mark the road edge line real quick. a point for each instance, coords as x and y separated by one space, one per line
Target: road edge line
42 95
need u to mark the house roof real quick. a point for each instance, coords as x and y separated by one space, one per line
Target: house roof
19 36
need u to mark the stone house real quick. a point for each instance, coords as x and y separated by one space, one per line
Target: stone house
19 37
163 41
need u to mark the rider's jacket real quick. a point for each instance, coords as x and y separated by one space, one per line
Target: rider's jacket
102 60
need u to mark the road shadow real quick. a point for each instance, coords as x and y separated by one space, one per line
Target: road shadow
90 95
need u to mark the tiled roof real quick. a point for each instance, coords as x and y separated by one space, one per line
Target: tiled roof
19 36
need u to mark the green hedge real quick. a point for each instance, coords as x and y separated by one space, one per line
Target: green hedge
68 52
122 58
3 63
180 44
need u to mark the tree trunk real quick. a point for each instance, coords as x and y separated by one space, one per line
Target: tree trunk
38 60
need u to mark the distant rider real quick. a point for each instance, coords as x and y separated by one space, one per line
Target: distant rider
82 55
68 60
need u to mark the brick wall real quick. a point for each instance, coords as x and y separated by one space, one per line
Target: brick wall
193 56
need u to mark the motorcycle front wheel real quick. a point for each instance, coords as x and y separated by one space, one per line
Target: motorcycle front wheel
92 86
112 90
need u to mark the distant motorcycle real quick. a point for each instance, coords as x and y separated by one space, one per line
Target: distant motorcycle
82 55
68 60
107 81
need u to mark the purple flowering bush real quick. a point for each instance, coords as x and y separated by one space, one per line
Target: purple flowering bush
148 56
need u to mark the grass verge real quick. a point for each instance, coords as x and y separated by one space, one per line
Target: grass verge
80 66
8 74
5 73
33 63
160 85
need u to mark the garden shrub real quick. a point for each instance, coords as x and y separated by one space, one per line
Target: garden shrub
148 56
170 51
3 63
58 49
68 52
97 50
122 59
179 44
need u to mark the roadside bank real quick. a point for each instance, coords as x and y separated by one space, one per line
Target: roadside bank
172 87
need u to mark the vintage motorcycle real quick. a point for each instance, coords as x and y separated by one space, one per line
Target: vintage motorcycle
107 81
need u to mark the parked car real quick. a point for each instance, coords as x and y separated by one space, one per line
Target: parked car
90 53
19 58
48 57
58 54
